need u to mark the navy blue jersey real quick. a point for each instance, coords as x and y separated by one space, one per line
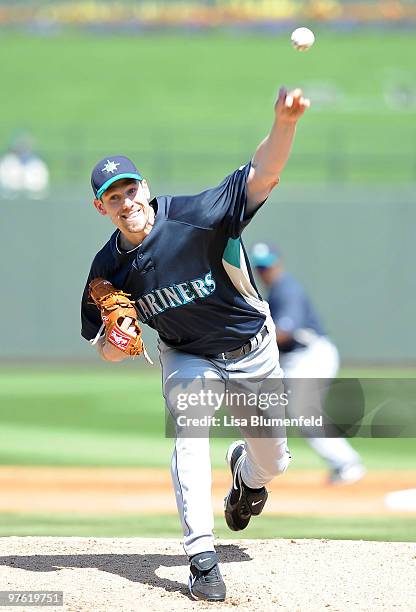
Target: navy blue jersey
292 310
190 277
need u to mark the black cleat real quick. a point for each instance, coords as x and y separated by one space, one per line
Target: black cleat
205 580
241 502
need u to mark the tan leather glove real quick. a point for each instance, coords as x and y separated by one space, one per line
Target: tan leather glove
119 316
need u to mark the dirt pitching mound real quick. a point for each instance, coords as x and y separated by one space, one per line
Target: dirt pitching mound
150 575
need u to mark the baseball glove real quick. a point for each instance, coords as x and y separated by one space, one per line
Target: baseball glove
119 316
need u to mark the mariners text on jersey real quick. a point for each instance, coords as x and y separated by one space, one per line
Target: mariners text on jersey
190 278
159 300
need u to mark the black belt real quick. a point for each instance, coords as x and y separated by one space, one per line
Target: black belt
245 349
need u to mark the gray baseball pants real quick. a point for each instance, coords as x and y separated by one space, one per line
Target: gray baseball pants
191 464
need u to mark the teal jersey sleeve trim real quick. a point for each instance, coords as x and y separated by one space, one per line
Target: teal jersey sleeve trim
113 179
232 252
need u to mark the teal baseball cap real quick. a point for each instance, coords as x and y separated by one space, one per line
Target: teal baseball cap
264 255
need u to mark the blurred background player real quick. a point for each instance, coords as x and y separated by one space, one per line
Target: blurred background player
305 351
22 171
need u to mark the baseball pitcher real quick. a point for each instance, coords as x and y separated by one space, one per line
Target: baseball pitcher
177 264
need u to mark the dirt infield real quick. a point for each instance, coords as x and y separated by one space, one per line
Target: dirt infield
150 575
122 490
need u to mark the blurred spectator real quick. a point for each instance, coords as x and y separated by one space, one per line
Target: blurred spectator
22 171
305 352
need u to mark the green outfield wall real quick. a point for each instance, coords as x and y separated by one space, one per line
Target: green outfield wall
351 246
189 108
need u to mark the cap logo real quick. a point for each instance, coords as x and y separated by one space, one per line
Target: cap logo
110 167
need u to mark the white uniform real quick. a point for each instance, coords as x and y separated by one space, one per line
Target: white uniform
310 355
320 359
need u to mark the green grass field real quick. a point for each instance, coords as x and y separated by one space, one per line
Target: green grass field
67 415
386 529
84 416
194 105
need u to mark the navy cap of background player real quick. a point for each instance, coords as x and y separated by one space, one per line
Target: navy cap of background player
264 255
111 169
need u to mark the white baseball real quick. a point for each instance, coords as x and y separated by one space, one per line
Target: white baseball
302 39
